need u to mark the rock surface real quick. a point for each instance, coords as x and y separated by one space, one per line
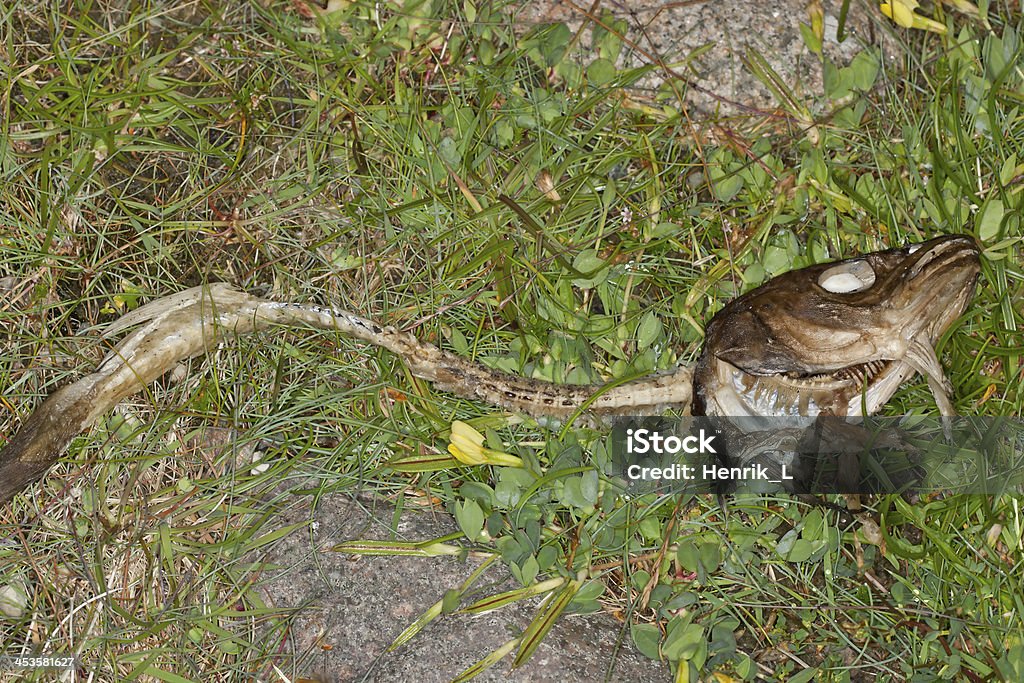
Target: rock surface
705 42
351 608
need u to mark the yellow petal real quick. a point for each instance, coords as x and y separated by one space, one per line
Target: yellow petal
465 431
900 13
464 444
464 457
467 446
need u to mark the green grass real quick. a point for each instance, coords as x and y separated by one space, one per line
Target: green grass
404 164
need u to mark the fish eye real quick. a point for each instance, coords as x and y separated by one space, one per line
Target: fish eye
847 277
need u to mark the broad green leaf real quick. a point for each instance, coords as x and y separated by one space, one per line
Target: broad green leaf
470 517
990 220
804 676
684 642
801 551
601 72
710 556
648 331
647 638
863 70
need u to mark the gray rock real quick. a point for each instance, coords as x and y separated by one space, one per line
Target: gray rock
719 82
349 609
